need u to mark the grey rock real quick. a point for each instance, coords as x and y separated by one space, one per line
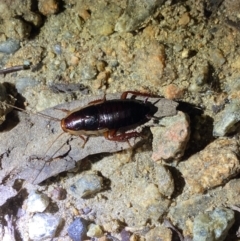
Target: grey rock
226 121
9 46
77 229
136 13
37 202
87 184
213 226
42 226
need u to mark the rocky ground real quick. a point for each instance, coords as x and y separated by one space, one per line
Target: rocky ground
182 174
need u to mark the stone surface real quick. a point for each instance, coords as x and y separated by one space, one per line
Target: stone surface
192 206
135 14
77 229
9 46
170 139
42 226
94 231
227 120
88 184
213 225
212 167
159 233
37 202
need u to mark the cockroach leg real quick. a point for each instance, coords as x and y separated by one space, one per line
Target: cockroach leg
85 140
121 137
99 101
136 93
63 110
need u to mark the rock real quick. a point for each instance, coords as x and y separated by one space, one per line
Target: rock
172 92
37 202
211 167
77 229
48 7
213 226
198 203
125 235
136 12
42 226
103 20
159 233
184 19
88 72
149 199
170 139
87 184
58 193
94 231
17 29
164 180
9 46
227 120
216 56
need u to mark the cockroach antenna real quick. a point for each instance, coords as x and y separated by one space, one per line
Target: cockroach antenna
14 69
32 113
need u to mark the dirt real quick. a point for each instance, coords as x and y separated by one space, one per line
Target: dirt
184 50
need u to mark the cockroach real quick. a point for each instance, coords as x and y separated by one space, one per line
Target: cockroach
108 117
115 119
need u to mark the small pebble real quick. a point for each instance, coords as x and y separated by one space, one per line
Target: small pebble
184 19
77 229
48 7
213 225
185 53
86 185
88 72
58 193
94 231
37 202
42 226
173 92
10 46
57 49
216 56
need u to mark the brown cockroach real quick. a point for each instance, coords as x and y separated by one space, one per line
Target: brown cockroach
114 119
107 117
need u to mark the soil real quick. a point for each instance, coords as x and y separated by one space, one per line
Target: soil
181 50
